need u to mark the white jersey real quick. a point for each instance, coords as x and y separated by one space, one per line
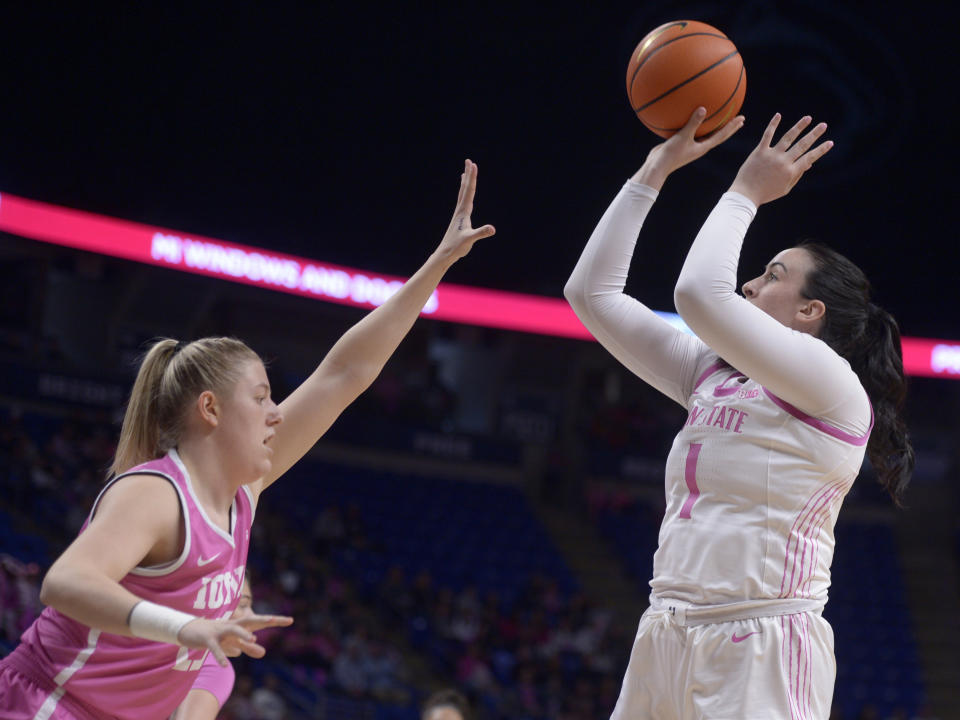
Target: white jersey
777 422
753 488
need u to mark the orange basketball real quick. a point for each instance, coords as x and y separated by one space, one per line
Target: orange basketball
680 66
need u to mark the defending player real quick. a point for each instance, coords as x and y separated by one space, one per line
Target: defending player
782 388
145 591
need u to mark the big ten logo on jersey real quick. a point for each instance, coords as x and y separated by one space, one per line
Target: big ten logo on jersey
219 590
724 417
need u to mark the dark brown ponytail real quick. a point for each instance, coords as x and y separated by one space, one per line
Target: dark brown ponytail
868 337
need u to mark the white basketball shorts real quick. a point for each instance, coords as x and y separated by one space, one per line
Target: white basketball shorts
767 668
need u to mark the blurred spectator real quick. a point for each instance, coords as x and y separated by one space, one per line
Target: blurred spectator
349 669
19 597
266 700
239 706
328 528
446 705
384 671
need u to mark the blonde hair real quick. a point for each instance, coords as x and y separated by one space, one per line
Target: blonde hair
171 376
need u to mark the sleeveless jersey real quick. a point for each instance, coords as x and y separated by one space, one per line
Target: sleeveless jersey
753 489
110 675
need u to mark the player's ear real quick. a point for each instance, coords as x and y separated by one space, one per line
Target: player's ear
208 408
812 312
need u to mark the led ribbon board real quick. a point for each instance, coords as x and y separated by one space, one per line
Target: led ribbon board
332 283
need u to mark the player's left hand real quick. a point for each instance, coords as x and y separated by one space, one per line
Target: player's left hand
771 171
461 235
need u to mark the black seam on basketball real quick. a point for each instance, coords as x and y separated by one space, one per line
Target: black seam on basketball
676 129
725 102
668 42
688 80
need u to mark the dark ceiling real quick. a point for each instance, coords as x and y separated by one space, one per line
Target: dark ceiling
338 132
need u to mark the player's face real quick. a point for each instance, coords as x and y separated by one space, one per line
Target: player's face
249 422
444 712
245 605
777 291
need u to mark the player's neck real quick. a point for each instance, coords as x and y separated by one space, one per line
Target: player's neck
213 483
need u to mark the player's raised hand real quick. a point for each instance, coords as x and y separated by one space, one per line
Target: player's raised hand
461 235
771 170
230 637
683 148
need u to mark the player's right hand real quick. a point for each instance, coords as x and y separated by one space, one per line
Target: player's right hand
682 148
230 638
461 235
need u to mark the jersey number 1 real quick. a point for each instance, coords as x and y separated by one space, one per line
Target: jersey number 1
690 475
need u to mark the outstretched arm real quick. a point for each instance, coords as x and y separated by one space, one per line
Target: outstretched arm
793 365
354 362
647 345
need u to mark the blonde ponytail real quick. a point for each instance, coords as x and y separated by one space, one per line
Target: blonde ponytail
171 376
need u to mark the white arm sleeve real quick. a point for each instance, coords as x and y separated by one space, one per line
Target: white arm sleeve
645 343
795 366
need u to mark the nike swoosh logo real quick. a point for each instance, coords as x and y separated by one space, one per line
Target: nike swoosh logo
201 562
740 638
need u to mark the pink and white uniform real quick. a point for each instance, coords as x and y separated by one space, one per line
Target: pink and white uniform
775 435
94 674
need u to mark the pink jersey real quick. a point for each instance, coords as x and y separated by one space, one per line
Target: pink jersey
107 675
216 680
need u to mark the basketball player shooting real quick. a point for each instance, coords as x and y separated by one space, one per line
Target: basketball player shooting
783 386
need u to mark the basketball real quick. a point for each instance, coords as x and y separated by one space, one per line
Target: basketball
680 66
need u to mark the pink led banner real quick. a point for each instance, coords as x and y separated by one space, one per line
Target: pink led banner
332 283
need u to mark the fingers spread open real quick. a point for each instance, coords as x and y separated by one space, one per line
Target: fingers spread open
258 622
482 232
790 136
466 202
254 650
818 152
722 134
464 181
218 653
766 139
807 141
696 119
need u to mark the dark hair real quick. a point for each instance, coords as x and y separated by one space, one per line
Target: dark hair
446 698
867 336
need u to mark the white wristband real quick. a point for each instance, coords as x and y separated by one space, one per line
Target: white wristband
156 622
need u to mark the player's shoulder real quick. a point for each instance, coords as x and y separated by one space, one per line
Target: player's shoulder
139 492
707 365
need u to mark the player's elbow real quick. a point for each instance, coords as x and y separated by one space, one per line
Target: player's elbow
688 298
52 588
61 583
353 379
573 292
